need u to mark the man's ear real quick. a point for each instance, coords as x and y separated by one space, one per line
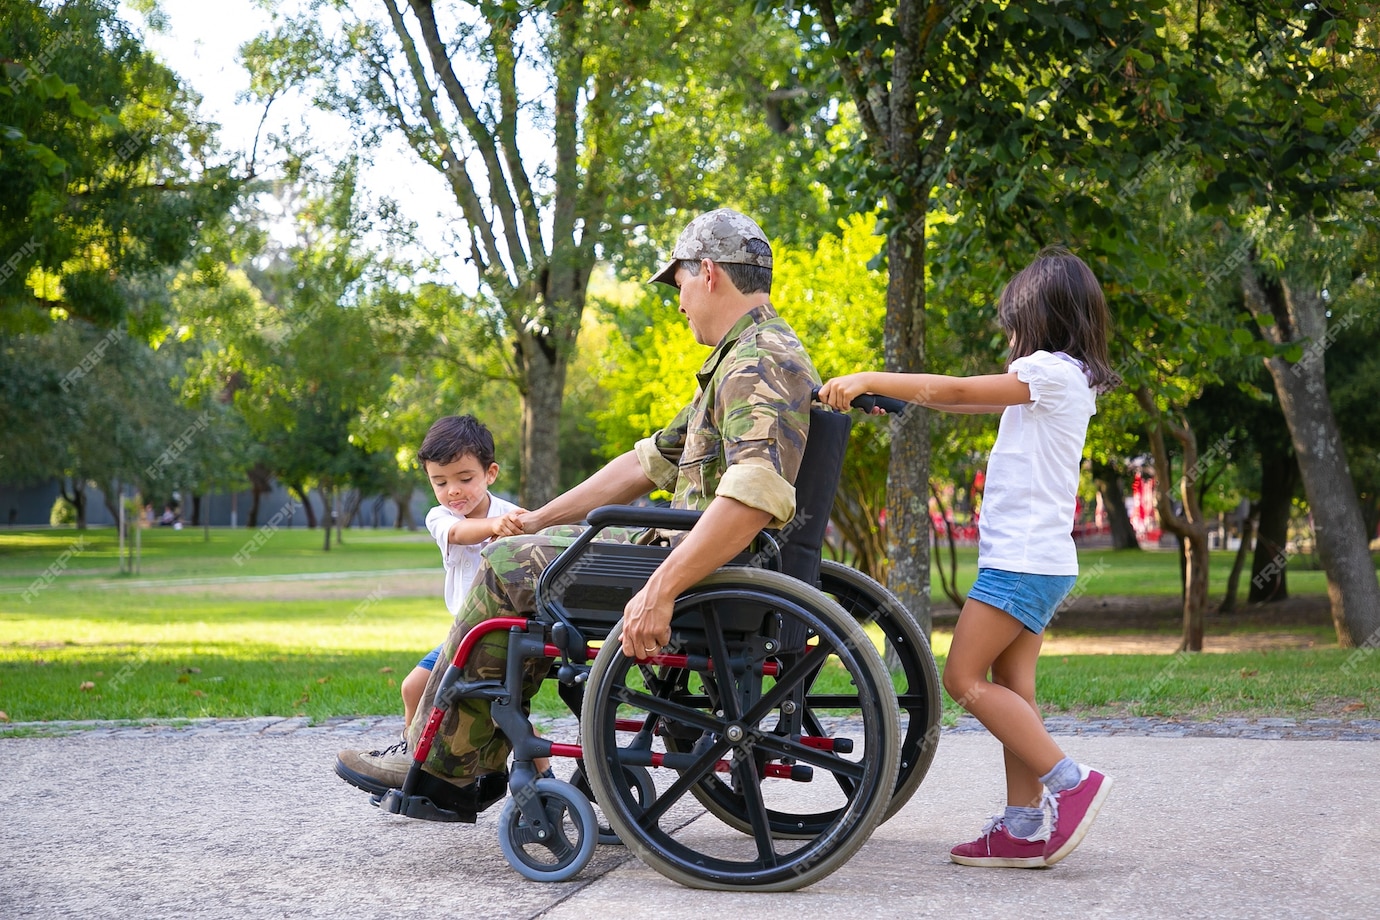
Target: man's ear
710 272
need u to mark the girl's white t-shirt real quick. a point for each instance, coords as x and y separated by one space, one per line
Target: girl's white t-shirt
461 560
1026 520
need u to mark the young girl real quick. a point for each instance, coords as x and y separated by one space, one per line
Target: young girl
1055 319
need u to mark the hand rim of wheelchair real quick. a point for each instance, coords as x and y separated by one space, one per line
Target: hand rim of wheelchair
560 800
872 777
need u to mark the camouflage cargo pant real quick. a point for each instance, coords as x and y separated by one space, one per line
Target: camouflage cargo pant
469 742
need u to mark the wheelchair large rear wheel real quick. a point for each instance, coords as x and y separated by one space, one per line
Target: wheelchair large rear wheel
720 709
914 675
914 678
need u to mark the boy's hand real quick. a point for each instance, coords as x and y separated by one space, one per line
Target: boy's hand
510 524
841 391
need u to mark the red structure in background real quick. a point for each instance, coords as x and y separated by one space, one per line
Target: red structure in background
1141 507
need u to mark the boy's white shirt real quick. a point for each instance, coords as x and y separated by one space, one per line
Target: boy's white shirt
461 560
1026 520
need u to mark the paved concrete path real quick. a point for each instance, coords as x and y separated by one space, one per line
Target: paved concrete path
245 820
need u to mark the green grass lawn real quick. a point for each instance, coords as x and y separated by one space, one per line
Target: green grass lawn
246 640
82 556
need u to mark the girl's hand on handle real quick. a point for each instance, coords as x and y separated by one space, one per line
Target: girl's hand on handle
840 392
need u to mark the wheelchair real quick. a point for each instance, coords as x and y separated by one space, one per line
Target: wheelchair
756 752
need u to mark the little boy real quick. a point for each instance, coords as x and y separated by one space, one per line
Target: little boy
458 457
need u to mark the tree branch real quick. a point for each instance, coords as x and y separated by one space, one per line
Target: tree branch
505 74
451 165
499 195
852 76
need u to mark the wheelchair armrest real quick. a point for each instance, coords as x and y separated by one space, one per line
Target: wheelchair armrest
640 516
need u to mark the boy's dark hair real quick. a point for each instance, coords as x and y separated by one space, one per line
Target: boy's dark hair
456 436
748 279
1056 304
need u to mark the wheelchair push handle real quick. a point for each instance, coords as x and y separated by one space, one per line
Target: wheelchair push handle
866 402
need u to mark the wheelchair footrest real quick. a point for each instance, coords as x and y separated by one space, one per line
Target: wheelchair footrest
420 807
437 800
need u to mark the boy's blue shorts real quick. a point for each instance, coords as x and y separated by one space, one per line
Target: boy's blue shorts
1031 599
429 662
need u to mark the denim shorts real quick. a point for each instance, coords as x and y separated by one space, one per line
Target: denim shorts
1031 599
429 662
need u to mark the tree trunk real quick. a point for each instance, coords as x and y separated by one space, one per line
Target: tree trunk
404 502
196 510
1108 479
1279 479
296 488
77 498
110 497
260 484
1239 563
1190 526
327 514
1298 314
908 474
907 512
543 375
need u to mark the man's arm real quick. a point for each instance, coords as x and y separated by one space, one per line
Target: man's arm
725 529
618 482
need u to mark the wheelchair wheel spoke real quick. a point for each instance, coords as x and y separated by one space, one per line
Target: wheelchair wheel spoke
660 706
803 671
746 774
718 651
689 777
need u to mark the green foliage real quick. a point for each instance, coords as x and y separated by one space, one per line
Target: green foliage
105 172
62 513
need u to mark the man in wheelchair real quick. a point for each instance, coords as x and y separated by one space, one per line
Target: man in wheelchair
733 453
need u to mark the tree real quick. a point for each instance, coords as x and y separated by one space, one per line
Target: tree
449 79
105 172
302 339
1288 160
963 93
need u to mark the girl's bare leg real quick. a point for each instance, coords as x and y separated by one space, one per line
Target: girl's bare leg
1014 669
981 638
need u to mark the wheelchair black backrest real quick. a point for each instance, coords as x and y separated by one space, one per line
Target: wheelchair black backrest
815 485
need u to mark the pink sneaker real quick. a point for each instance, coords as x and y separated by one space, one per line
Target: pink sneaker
998 849
1072 812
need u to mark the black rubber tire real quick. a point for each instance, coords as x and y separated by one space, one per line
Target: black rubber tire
740 731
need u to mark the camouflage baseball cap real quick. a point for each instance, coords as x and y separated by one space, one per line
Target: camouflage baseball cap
720 236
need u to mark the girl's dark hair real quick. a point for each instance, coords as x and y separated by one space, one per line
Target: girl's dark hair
1055 304
457 436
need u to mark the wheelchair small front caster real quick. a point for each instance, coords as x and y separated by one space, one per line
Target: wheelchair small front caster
561 845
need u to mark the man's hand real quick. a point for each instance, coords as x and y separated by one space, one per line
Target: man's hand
647 623
530 521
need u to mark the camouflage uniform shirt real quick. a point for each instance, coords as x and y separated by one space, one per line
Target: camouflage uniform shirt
743 434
